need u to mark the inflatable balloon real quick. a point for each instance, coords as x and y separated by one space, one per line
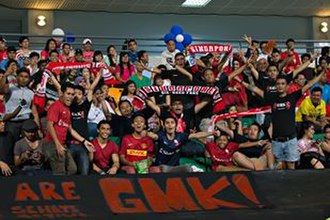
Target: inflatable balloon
58 35
180 38
70 37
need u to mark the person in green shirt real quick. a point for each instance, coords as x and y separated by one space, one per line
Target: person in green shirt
139 79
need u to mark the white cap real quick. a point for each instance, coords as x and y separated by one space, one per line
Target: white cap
87 40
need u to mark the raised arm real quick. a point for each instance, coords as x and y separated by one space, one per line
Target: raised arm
200 106
305 65
153 106
226 130
92 87
200 135
184 72
223 62
312 82
252 88
4 86
236 72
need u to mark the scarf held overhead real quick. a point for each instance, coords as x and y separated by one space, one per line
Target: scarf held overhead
149 91
210 48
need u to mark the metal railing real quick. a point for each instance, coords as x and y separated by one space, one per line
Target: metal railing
153 45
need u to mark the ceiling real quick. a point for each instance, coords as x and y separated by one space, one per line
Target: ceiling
215 7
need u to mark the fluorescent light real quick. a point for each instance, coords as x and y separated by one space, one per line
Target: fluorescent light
195 3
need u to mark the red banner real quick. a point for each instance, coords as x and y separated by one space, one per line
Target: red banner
210 48
254 111
57 67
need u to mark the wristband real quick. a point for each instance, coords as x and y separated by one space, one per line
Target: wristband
83 142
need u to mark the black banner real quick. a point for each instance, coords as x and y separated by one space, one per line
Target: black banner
164 196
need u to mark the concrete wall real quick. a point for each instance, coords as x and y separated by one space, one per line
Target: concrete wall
204 27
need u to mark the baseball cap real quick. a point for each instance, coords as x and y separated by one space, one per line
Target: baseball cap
87 40
29 125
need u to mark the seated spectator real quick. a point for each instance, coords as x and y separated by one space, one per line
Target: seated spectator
313 109
225 153
326 142
125 69
78 56
129 94
309 72
295 61
7 167
53 56
99 110
24 52
234 123
139 79
33 66
87 50
311 154
3 51
50 45
162 99
325 52
323 66
11 55
143 58
28 152
170 142
111 58
132 53
105 156
65 56
137 148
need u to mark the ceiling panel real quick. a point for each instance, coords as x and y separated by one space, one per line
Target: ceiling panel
221 7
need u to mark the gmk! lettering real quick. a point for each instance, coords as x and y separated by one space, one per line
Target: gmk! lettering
179 194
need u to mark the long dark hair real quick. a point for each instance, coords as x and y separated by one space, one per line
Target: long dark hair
97 53
125 91
47 43
305 125
113 64
121 65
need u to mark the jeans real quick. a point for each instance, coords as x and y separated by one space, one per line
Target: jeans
80 156
92 129
286 151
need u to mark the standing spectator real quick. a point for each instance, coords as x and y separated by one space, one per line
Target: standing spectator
50 45
6 151
105 157
79 113
58 125
19 95
295 62
28 152
325 53
125 69
323 66
132 53
309 72
284 138
298 83
168 55
88 50
3 51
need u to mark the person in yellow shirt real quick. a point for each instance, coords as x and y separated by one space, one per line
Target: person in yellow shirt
313 109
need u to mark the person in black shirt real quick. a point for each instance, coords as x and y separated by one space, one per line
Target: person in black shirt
79 113
284 137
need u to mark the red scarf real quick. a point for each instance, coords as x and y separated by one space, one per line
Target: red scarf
210 48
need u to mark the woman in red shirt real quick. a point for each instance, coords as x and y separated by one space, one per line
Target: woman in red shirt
50 45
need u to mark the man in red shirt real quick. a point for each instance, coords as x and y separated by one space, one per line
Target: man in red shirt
225 153
58 125
3 51
136 146
88 50
105 158
295 59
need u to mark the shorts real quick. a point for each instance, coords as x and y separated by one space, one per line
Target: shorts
286 151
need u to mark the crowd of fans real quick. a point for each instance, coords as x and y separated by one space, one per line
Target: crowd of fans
90 120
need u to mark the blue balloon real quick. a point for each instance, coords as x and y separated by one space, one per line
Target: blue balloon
187 39
176 29
70 37
179 46
169 37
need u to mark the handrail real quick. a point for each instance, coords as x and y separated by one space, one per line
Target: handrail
153 45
